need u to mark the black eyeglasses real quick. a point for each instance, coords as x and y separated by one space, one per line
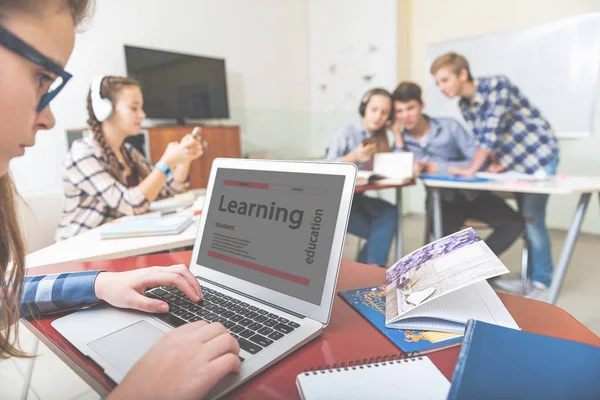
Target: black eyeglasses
12 42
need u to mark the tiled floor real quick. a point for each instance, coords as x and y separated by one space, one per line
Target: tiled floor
52 379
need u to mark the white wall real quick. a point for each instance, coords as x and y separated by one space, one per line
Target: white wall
278 54
347 41
439 20
264 43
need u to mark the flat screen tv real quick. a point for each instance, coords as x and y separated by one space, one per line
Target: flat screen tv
179 86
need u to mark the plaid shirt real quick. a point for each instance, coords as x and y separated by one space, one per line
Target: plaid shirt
45 294
507 124
93 197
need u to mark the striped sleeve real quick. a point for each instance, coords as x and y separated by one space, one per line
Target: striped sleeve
90 175
44 294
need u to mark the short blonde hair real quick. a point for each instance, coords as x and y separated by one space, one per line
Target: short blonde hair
451 60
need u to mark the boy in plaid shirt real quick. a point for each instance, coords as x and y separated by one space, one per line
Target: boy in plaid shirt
512 135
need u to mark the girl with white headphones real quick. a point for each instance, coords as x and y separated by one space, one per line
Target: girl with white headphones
105 177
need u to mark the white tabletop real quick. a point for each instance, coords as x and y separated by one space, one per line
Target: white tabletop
557 185
89 246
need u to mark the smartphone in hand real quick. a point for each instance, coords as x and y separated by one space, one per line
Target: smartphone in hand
196 132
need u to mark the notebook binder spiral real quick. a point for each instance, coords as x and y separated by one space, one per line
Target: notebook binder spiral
376 377
364 363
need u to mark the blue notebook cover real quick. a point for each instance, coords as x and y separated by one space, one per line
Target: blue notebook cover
453 178
370 303
503 363
146 226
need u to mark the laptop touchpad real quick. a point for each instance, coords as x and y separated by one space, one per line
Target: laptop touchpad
122 349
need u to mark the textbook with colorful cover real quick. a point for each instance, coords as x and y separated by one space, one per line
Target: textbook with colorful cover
442 285
370 303
501 363
146 226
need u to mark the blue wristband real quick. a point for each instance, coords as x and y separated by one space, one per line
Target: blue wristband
164 168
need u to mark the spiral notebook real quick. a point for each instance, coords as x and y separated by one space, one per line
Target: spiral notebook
414 378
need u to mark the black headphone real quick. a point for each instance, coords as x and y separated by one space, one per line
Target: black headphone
367 97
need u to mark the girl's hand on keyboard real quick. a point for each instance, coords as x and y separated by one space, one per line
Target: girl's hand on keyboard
186 363
127 289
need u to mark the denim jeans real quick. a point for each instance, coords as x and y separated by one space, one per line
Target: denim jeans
374 220
533 209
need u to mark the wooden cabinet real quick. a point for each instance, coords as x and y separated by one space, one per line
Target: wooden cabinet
221 141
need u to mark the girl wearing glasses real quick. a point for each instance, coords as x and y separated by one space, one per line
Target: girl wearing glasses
106 178
36 41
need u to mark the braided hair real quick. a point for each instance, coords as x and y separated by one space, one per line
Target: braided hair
111 86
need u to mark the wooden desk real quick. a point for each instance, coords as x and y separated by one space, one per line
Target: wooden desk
400 222
583 186
348 336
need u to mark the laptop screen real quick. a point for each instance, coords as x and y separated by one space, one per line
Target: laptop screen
274 229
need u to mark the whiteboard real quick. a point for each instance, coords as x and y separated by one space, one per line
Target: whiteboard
555 65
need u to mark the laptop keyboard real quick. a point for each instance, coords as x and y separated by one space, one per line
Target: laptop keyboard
253 327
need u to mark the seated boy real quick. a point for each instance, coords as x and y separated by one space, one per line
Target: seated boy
440 143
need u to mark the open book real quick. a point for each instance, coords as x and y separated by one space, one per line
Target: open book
442 285
388 169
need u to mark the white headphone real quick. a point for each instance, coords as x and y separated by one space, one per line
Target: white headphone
103 108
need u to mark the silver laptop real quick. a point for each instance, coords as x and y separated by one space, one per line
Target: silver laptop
267 255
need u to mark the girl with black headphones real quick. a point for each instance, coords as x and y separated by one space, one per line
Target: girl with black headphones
370 218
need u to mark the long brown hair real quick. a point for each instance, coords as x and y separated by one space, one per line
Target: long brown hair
110 87
12 247
382 143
